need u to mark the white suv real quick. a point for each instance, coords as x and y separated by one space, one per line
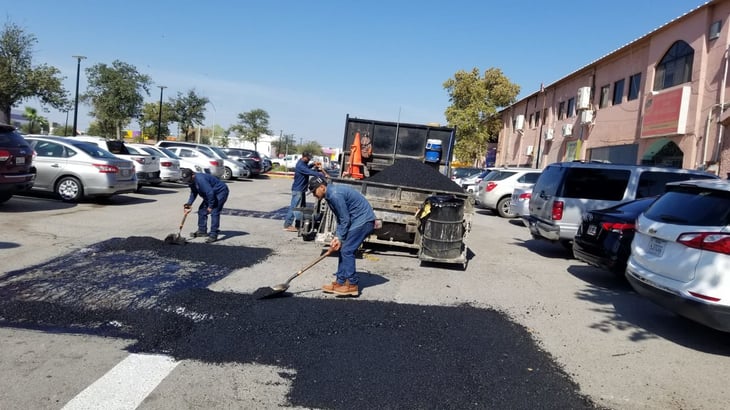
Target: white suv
680 255
495 190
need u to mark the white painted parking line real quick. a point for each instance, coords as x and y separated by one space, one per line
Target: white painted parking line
126 385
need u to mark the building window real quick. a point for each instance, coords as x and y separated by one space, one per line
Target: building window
675 67
634 86
571 108
561 110
544 115
604 96
618 91
532 118
537 118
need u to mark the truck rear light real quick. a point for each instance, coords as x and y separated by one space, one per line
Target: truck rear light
490 186
618 227
706 241
4 155
106 169
558 210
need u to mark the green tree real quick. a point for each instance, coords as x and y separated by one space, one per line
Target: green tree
19 79
150 116
36 123
115 94
311 146
251 125
188 110
475 100
284 144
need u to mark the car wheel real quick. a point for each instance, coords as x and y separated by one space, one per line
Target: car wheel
247 173
227 174
69 189
503 208
5 197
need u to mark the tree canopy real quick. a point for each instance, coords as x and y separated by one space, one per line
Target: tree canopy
188 110
475 101
20 80
251 125
284 144
115 95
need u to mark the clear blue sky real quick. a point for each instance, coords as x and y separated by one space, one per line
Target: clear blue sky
309 63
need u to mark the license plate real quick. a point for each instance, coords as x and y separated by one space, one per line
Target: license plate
592 230
19 160
656 246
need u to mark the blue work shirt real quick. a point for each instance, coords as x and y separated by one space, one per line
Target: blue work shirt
350 207
302 172
207 186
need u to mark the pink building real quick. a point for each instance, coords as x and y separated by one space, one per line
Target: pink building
657 100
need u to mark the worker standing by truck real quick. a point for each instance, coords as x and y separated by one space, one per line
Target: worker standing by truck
302 172
355 221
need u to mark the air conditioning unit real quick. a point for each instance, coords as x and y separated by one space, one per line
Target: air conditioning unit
586 117
528 151
583 99
549 134
567 130
519 122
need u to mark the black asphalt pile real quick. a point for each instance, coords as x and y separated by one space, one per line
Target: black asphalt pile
393 355
416 174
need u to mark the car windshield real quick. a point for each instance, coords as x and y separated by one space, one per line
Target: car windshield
93 150
165 151
10 138
692 206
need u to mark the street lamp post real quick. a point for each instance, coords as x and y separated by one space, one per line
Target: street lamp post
212 128
159 114
76 102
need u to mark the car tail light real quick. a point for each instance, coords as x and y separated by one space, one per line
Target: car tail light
524 196
705 297
618 227
706 241
490 186
558 210
141 160
214 163
165 164
106 168
4 155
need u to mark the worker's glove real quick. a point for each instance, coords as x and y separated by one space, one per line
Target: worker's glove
187 206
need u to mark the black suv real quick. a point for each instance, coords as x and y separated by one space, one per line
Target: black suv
249 156
16 163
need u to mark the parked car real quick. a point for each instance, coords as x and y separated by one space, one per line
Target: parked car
494 192
250 157
680 255
458 173
184 162
147 166
232 167
169 167
604 236
519 204
267 163
16 163
204 158
567 190
75 169
470 182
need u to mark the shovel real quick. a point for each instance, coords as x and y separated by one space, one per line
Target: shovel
275 290
177 239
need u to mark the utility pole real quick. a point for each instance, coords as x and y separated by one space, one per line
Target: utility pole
542 122
76 103
159 115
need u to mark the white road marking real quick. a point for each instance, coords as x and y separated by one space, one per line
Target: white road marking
126 385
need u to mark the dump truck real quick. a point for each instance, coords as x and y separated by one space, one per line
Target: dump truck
401 170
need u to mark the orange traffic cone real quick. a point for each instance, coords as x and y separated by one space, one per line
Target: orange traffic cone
356 159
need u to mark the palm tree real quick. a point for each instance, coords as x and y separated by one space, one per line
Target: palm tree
36 123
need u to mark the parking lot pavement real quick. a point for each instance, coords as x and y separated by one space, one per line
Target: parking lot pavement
620 349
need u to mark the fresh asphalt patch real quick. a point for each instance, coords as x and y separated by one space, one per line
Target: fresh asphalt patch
339 353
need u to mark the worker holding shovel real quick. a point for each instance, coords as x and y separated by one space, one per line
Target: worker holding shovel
355 221
214 193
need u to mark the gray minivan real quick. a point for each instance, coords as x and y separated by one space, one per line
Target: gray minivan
566 190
